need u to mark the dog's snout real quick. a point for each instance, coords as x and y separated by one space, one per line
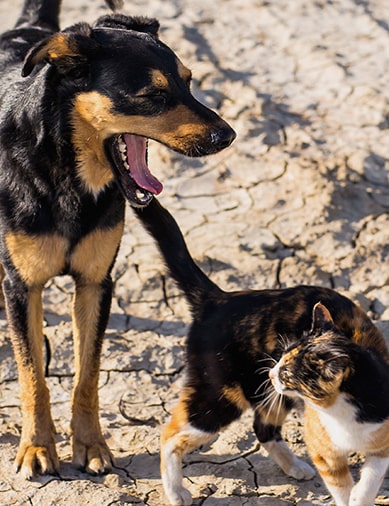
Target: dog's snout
223 137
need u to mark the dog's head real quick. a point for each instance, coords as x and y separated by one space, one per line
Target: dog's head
127 87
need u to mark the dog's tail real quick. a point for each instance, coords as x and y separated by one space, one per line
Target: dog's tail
195 284
45 13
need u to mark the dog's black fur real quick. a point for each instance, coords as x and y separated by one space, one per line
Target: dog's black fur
75 109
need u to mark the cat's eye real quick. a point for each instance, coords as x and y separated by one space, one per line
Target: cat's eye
285 375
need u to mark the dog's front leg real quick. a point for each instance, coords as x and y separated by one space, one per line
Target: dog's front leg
37 453
90 314
91 263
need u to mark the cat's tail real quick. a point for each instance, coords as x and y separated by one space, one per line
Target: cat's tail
195 284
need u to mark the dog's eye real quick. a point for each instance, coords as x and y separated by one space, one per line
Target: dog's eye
155 95
159 97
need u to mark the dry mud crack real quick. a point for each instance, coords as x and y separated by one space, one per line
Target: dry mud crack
302 196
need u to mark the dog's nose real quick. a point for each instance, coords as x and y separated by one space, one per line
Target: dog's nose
223 137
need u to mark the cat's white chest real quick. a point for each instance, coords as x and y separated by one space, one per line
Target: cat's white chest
345 432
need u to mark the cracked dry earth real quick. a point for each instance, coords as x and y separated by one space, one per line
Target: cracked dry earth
302 196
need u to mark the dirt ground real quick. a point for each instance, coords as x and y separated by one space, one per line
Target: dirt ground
302 196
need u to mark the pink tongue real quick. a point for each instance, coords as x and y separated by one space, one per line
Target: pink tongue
136 158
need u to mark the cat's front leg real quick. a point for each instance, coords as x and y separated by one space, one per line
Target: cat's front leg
292 466
372 474
269 436
329 460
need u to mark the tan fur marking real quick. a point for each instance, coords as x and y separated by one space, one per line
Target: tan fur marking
58 46
179 417
37 258
332 465
176 423
93 256
175 431
94 121
183 71
86 311
158 79
31 377
85 425
90 117
236 396
38 428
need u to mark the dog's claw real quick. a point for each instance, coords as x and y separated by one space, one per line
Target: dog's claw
33 460
95 460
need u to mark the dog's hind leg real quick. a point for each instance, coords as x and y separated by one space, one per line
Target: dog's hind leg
178 438
91 264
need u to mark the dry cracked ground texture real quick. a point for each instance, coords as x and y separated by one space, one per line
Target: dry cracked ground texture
301 197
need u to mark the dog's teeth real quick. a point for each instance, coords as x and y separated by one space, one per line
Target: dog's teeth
140 194
122 146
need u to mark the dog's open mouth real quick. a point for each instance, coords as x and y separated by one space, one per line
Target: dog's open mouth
128 158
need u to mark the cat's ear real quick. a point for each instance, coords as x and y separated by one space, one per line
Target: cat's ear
321 319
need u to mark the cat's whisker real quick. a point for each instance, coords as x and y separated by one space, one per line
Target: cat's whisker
271 398
262 370
284 341
263 386
273 402
267 367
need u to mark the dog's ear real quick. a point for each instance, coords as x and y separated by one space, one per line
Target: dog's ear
65 50
123 22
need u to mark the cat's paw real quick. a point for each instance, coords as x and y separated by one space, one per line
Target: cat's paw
179 497
300 470
361 497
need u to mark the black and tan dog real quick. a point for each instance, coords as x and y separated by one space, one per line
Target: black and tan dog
77 107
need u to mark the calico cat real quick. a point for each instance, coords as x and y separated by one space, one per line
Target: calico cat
345 387
234 340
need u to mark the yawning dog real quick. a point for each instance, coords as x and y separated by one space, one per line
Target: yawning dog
77 108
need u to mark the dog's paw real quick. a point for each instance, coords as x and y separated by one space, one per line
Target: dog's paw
300 470
179 497
94 459
33 460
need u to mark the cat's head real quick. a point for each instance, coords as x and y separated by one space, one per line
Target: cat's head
314 367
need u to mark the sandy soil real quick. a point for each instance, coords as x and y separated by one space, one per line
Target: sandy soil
302 196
